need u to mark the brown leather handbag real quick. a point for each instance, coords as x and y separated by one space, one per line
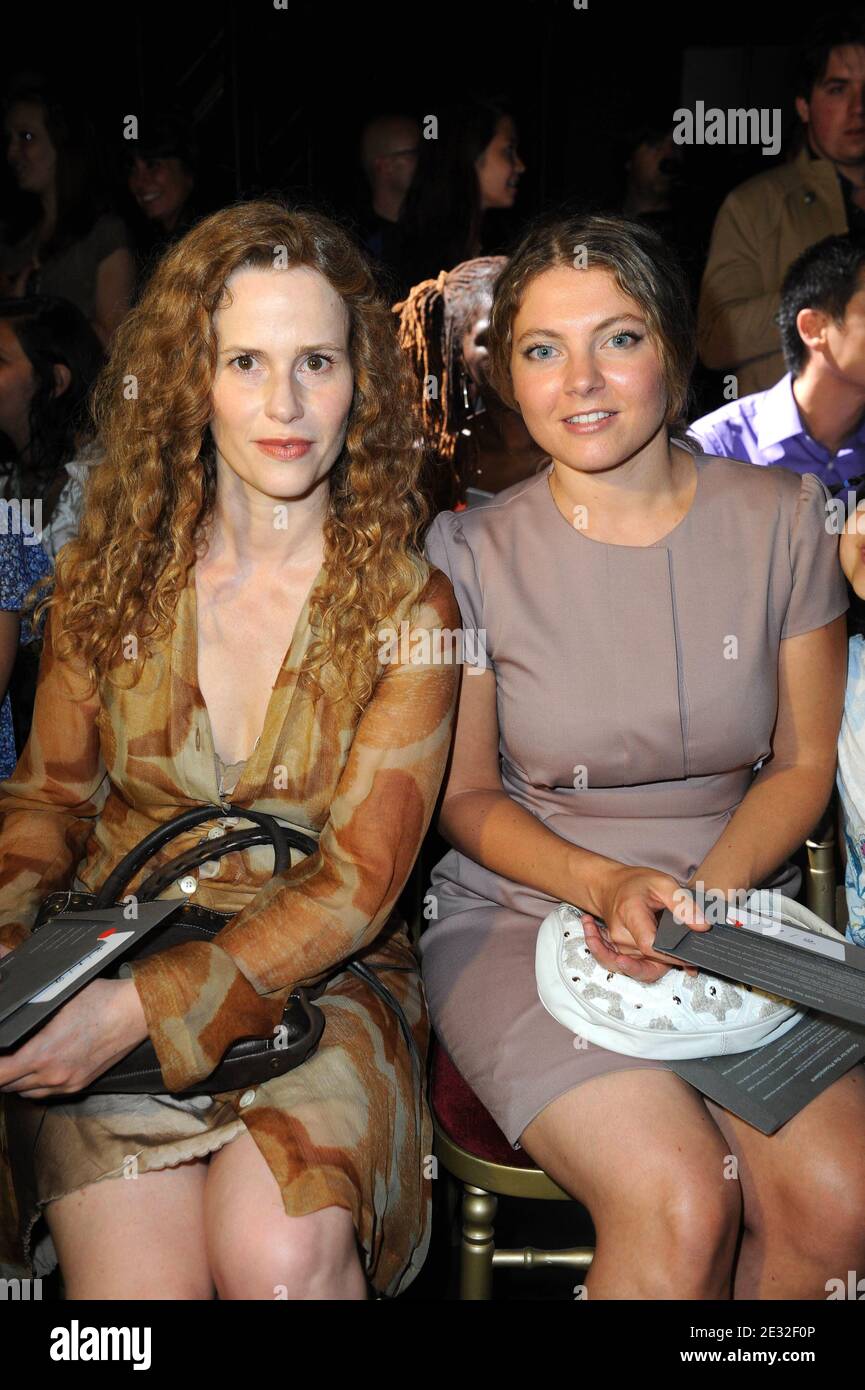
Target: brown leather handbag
248 1061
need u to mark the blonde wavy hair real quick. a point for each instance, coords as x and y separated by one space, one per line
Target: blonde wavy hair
147 503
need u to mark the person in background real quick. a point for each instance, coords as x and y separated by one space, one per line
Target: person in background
654 195
469 169
765 223
389 149
813 419
49 360
851 738
23 563
71 247
474 445
651 169
161 168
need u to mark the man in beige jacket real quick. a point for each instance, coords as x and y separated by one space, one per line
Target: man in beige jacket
765 223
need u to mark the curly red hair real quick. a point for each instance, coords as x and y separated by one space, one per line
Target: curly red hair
147 504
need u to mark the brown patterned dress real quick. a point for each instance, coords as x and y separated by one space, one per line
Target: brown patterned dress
350 1127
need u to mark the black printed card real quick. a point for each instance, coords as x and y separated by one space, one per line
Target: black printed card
63 956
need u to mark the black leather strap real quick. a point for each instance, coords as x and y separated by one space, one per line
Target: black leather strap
112 889
364 972
266 829
235 840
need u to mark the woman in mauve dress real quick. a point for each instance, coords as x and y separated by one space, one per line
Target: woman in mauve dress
657 654
215 631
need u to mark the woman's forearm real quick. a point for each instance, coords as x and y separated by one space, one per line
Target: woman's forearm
780 809
496 832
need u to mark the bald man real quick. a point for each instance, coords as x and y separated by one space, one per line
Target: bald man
389 154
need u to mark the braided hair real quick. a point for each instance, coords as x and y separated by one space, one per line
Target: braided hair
432 320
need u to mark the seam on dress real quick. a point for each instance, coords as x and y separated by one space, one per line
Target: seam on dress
684 704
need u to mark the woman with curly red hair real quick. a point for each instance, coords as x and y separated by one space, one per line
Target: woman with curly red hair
214 633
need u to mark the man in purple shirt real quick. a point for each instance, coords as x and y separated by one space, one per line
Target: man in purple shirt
811 421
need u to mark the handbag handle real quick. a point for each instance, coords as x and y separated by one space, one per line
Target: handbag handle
138 856
246 838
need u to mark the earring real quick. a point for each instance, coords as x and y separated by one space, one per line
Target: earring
465 386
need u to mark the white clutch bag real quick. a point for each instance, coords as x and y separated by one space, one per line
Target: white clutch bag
679 1016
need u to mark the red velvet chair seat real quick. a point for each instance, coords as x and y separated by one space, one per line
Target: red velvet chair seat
462 1116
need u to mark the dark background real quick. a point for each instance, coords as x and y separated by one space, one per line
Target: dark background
279 97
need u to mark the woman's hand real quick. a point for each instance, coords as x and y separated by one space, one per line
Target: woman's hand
630 901
92 1031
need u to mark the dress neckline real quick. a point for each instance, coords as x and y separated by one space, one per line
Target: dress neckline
299 633
616 545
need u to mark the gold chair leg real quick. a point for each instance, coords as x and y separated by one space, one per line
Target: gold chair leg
452 1197
477 1244
820 885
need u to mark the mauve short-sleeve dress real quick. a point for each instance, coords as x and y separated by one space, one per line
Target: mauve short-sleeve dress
637 690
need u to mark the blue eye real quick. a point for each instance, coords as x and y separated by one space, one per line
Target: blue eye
632 337
539 347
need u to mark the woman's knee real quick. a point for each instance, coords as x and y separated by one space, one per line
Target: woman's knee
302 1257
641 1154
817 1209
679 1227
676 1223
694 1229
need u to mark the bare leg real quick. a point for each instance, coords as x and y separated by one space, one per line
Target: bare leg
639 1149
803 1191
257 1251
136 1238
